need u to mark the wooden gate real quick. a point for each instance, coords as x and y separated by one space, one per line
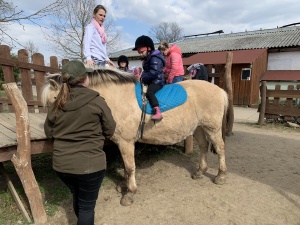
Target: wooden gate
285 104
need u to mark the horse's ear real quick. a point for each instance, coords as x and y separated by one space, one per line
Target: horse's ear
53 84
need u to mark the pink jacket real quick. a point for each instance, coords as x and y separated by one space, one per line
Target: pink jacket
174 65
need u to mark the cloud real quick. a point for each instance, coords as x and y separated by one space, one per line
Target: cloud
30 33
31 5
207 16
135 17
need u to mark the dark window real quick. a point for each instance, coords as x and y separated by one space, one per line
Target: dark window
246 74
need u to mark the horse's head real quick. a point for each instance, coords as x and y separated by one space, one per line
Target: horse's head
51 89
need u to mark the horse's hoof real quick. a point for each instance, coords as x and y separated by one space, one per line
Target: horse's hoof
197 176
220 180
126 201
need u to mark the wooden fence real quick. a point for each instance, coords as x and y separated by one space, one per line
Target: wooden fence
284 105
37 67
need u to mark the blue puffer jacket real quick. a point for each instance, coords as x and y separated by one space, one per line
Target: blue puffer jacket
153 68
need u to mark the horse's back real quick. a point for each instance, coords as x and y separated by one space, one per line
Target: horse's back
205 93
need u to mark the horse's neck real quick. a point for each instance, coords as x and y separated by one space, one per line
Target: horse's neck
116 94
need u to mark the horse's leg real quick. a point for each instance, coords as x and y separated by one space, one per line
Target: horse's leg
203 146
127 152
218 143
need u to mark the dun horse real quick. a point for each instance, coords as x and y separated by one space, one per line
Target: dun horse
202 115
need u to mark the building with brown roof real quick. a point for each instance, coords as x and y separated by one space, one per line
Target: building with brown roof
270 54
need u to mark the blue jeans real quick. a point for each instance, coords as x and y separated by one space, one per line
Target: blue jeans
177 79
85 189
98 62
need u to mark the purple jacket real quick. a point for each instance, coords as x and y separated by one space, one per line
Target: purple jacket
153 68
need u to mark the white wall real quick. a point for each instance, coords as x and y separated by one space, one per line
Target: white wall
136 63
284 61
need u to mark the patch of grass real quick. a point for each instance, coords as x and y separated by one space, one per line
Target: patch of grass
9 212
2 94
4 105
54 192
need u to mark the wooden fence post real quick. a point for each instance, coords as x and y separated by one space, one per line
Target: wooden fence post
38 59
228 88
53 62
7 70
22 159
263 97
26 83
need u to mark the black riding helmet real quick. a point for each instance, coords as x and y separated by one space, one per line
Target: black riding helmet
143 41
123 58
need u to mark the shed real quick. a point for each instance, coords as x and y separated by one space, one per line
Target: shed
248 66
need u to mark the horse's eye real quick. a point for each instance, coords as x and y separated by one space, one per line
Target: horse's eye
54 97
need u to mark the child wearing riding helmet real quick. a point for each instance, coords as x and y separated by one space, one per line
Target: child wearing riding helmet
123 63
152 75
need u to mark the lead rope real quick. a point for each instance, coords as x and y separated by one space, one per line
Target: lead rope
144 101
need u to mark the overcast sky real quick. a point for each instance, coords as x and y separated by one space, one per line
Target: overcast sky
135 17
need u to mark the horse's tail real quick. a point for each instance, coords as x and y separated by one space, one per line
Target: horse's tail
224 120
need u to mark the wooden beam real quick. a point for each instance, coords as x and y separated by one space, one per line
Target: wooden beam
22 158
37 147
263 89
24 65
282 110
228 89
283 93
14 194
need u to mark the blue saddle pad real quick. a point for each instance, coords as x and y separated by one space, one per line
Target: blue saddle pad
169 97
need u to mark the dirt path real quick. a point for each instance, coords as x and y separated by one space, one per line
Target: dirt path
263 186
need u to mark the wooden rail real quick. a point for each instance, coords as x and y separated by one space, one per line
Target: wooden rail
36 67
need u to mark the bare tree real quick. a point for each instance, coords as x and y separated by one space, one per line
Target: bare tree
68 29
31 49
169 32
10 14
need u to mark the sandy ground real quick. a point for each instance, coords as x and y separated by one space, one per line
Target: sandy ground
263 186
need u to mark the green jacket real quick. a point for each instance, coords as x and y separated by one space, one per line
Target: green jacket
79 131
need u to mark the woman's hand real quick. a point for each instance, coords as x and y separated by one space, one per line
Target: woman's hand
90 62
111 63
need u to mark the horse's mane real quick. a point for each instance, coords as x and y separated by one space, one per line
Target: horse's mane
55 76
100 76
107 75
